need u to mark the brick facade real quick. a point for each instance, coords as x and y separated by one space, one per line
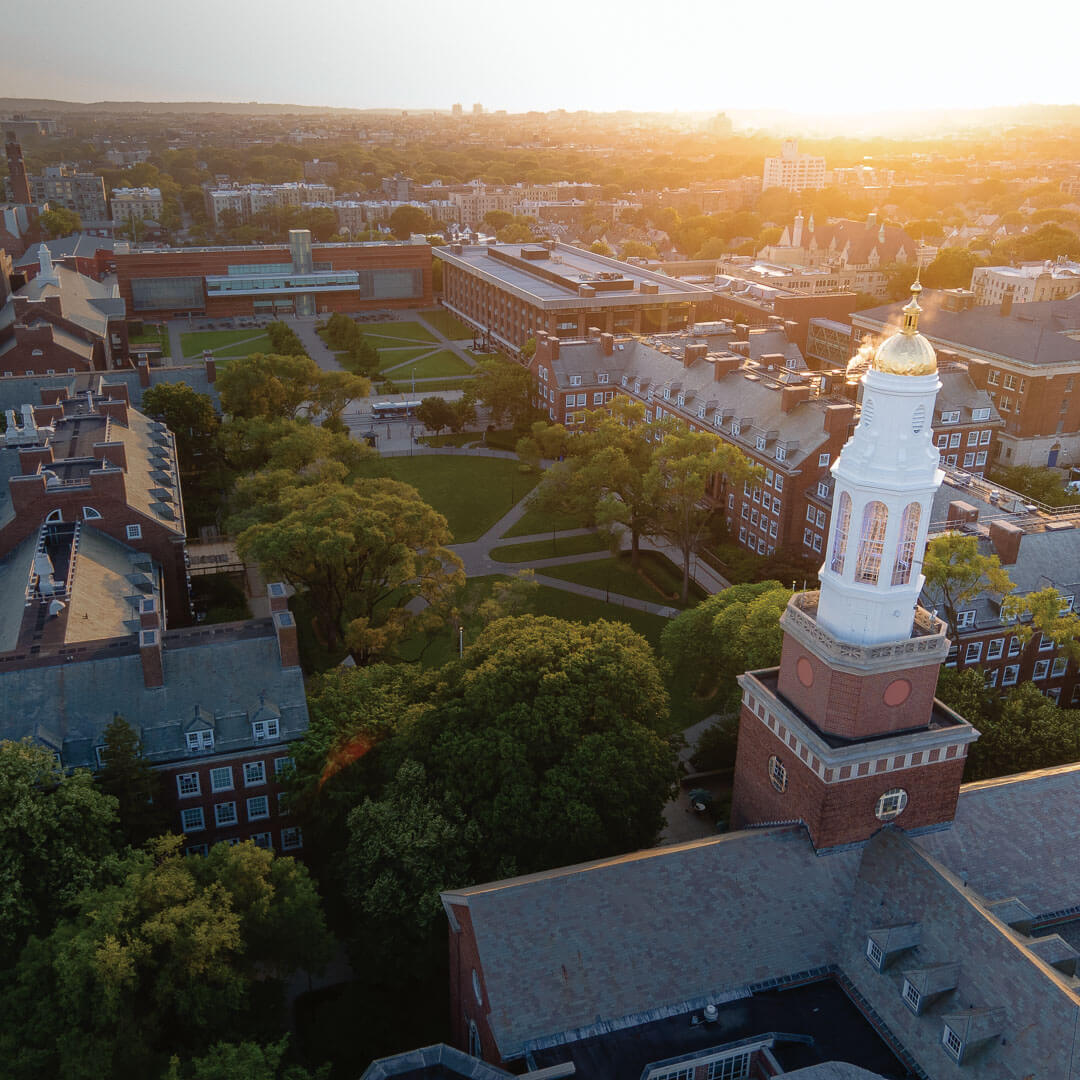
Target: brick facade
465 1010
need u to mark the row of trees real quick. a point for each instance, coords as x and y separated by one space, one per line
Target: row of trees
136 960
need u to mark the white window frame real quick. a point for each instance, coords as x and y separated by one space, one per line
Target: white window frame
254 773
823 460
874 954
891 804
186 778
995 648
192 819
264 730
1041 670
965 619
954 1045
912 997
984 437
252 815
292 838
224 821
214 786
1010 674
200 740
281 764
1058 669
133 532
973 652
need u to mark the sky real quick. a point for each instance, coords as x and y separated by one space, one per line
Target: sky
810 56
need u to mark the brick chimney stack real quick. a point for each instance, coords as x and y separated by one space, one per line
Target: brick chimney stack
153 663
288 643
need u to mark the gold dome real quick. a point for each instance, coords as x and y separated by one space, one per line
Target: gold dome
907 352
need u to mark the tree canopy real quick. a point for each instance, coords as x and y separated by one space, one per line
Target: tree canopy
59 222
956 573
138 789
190 416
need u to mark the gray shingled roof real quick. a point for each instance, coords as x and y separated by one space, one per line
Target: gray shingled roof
230 677
1032 333
610 939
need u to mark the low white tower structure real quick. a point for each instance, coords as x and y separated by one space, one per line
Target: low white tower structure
886 477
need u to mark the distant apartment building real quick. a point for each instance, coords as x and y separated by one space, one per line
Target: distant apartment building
319 170
793 171
1026 357
1071 185
16 220
64 186
511 292
26 125
1030 282
272 279
138 204
242 202
397 188
473 206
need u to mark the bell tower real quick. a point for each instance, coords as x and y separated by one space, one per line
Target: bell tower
846 734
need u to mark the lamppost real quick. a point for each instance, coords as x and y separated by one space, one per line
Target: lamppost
461 641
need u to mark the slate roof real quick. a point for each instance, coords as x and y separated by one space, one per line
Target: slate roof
655 928
1017 836
78 244
1035 334
84 301
226 673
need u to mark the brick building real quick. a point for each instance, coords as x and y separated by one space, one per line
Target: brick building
1027 358
301 278
95 622
91 256
751 389
64 186
511 292
62 321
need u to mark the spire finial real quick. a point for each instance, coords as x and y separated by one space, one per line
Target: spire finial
912 309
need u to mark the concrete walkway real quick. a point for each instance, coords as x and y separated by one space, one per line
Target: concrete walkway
316 348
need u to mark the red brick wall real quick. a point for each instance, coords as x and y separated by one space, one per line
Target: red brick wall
464 960
839 813
853 706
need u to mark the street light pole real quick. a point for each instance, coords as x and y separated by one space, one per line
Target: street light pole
461 641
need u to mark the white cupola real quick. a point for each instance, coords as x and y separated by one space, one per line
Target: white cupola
886 477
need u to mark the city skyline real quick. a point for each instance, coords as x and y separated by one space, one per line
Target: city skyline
360 58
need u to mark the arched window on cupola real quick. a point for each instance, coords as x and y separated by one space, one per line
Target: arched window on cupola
905 548
840 534
875 519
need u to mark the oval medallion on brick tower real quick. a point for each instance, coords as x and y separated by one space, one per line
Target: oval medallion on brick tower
805 671
897 692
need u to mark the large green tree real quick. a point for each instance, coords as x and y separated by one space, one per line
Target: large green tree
268 385
956 573
362 553
506 389
167 956
59 222
138 789
732 631
243 1061
406 220
57 829
680 470
191 418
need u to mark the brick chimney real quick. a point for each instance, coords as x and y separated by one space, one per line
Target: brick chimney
977 371
693 353
153 664
553 347
742 332
33 457
277 596
725 365
148 614
1006 537
838 418
112 452
115 392
962 513
792 396
607 344
288 645
144 373
210 365
44 415
115 410
1006 304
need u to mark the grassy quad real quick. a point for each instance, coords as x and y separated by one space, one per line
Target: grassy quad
394 355
534 522
224 343
441 364
152 336
402 331
471 492
448 325
557 547
617 576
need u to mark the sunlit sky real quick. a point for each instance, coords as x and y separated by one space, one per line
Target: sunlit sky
828 57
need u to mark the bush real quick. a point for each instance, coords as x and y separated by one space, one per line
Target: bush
716 746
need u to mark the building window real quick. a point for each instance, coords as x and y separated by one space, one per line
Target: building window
950 417
263 840
995 648
840 533
952 1042
874 953
1046 644
973 438
197 849
191 820
602 378
291 838
575 380
225 814
1042 667
281 764
969 461
200 740
973 652
781 453
965 619
221 779
475 1048
1060 664
991 677
984 437
779 482
134 532
871 542
777 773
823 460
891 804
90 514
943 441
980 414
736 1067
254 773
187 784
264 729
258 807
759 443
912 997
1010 675
980 458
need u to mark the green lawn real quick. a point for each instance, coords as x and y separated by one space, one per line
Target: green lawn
223 341
431 385
407 330
448 325
616 575
395 355
150 336
260 344
533 522
440 364
548 549
472 492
